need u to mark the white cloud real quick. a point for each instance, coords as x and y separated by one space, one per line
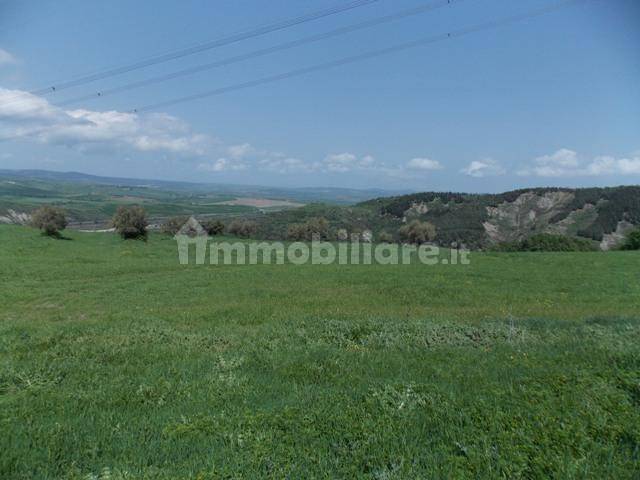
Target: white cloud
424 164
244 156
629 165
27 117
282 164
19 106
567 163
483 168
221 165
367 160
33 118
562 158
240 151
340 162
346 162
6 58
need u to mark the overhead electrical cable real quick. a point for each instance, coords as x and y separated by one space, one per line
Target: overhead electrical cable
364 56
227 40
485 26
261 52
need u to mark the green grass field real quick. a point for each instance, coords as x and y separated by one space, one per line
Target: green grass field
117 362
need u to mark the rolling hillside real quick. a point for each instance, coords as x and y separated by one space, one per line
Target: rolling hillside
91 200
602 215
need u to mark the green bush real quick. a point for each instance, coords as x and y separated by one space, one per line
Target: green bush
417 232
632 240
49 219
214 227
243 228
545 242
172 225
130 221
385 237
317 227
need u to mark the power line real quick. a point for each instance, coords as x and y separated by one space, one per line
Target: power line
347 60
261 52
364 56
234 38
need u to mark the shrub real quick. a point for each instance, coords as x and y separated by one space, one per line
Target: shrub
317 227
213 227
131 221
417 232
296 231
243 228
385 237
49 219
172 225
545 242
632 240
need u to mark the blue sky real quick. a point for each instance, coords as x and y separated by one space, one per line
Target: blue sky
551 100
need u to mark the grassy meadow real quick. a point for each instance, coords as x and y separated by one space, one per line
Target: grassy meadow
117 362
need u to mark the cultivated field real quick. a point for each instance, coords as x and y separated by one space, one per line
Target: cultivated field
117 362
91 201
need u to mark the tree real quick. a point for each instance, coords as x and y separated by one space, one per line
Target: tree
417 232
385 237
632 240
316 227
172 225
130 221
296 232
213 227
342 235
243 228
50 220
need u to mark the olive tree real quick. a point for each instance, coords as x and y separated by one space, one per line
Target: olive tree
49 219
130 221
172 225
417 232
214 227
243 228
314 228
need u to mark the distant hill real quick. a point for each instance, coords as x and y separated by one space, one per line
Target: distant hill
602 215
340 196
91 200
